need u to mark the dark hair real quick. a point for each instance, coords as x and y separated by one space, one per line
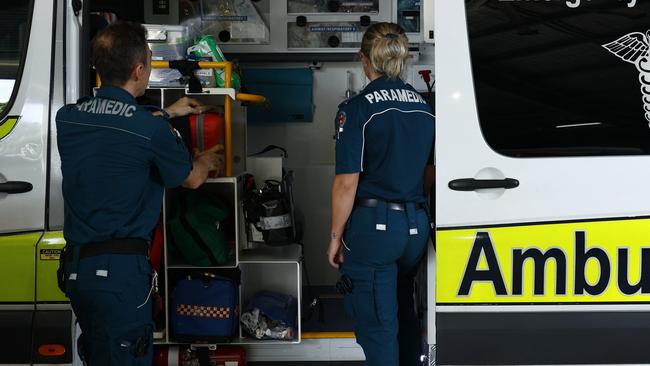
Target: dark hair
117 49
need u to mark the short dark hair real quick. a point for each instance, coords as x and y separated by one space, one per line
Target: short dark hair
117 49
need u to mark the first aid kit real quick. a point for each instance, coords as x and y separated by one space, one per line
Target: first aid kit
205 308
206 48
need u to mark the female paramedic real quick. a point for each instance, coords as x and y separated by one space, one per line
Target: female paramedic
380 227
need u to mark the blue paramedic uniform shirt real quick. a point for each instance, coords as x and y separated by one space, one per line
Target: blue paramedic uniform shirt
116 159
386 133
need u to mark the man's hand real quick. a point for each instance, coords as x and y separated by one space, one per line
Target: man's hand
203 163
213 158
185 106
335 252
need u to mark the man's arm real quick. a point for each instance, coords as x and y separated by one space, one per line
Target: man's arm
185 106
203 163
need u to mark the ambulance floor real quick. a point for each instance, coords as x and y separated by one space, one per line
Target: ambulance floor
329 315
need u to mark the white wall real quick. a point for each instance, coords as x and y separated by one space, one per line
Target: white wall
311 157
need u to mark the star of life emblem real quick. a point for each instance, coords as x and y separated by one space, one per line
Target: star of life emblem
633 48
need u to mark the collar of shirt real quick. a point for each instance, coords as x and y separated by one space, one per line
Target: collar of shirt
382 82
116 93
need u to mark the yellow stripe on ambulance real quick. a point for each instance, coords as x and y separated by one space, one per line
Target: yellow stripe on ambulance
583 262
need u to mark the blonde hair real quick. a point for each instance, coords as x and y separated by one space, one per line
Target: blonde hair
387 48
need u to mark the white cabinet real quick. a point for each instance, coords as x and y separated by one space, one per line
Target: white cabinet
258 267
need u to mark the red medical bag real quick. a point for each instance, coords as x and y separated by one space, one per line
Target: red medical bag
183 356
208 129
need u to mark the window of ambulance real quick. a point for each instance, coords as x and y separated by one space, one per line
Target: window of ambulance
562 78
14 17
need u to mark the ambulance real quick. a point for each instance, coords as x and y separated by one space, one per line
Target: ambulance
542 246
541 201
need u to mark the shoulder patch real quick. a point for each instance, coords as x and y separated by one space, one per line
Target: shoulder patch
341 118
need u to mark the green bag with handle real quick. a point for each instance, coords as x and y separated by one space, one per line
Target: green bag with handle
206 47
197 230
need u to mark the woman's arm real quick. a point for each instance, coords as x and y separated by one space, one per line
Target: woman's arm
344 191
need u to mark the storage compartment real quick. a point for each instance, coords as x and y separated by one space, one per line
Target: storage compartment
167 42
215 97
271 269
292 45
332 6
204 305
189 356
325 34
409 16
228 21
223 192
290 94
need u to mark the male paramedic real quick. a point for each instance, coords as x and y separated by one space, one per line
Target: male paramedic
116 158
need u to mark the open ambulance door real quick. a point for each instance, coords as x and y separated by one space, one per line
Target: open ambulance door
543 206
34 331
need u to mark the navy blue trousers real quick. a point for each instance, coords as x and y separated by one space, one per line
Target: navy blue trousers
382 266
110 297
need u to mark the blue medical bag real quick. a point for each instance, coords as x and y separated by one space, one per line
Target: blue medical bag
205 309
276 306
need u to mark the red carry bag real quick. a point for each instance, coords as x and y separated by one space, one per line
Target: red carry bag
183 356
208 130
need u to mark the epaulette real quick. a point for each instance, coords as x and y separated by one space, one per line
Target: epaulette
83 99
347 101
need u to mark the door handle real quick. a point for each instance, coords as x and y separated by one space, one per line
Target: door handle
471 184
13 187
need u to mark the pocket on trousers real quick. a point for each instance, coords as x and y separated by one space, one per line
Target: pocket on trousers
131 346
98 274
360 304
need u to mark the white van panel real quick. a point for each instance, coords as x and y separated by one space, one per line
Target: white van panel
23 153
551 189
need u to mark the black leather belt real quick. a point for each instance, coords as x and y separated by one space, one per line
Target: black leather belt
396 206
126 246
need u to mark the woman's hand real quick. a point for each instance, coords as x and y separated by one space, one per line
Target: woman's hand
335 252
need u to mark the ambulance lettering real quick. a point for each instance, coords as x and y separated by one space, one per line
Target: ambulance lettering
395 95
103 106
483 247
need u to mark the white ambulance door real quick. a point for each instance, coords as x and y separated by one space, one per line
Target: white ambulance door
25 63
542 175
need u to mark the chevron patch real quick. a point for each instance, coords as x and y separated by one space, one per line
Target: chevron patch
201 311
